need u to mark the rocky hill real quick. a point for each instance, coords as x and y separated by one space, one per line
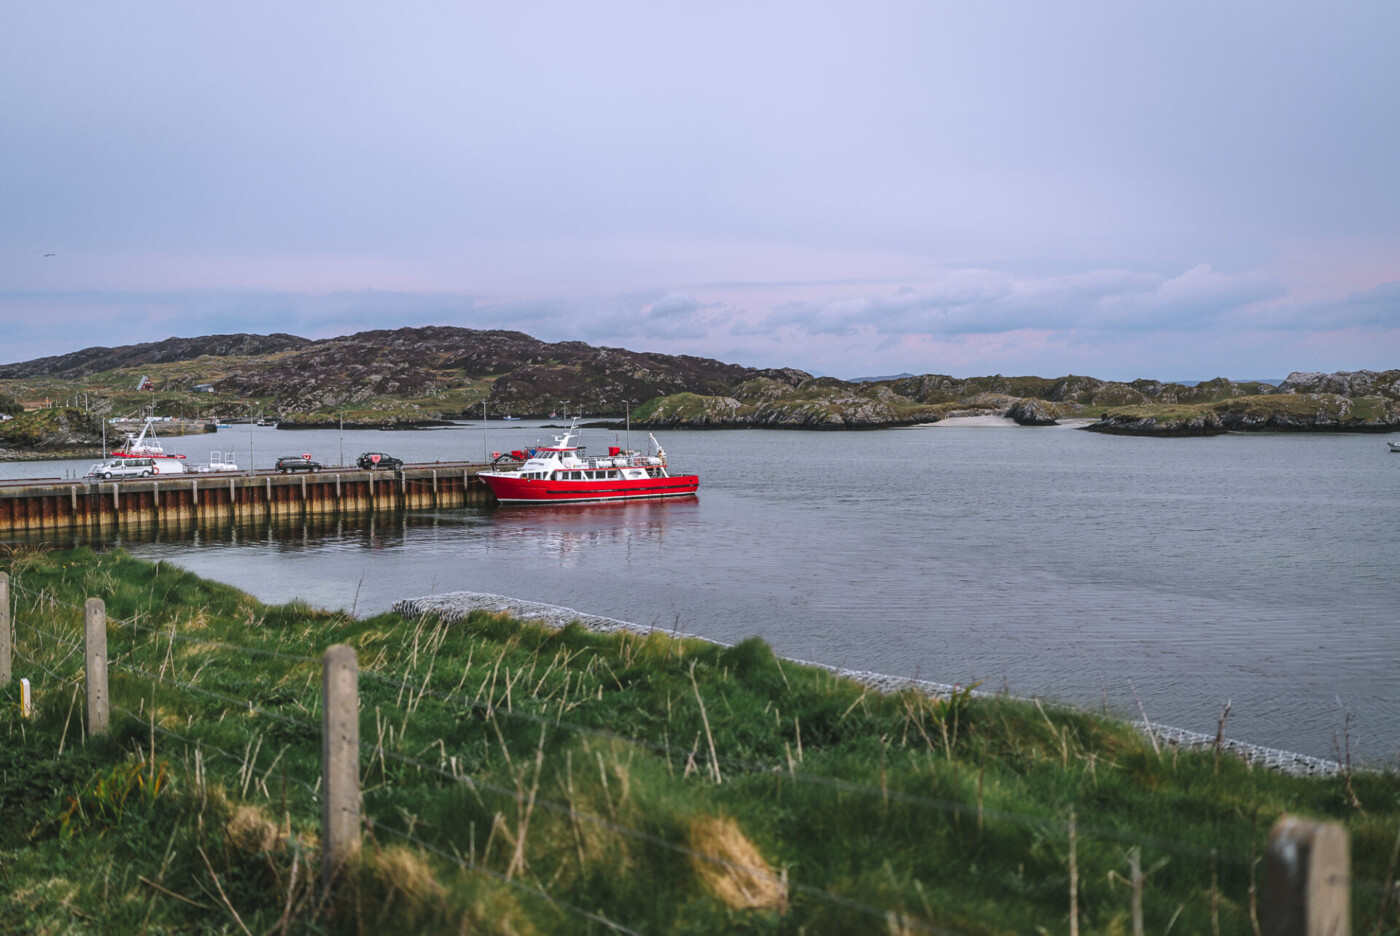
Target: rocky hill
400 375
414 375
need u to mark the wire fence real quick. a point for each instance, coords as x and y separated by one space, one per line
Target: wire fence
146 661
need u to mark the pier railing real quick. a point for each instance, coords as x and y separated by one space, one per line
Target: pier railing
312 752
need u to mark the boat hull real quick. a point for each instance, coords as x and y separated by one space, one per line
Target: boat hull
509 490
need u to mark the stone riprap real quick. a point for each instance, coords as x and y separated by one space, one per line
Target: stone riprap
454 606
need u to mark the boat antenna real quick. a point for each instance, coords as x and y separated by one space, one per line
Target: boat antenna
485 458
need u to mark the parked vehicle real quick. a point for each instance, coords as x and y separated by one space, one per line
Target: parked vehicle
142 467
297 463
370 461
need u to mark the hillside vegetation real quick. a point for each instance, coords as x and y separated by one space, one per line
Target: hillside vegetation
58 428
419 375
518 779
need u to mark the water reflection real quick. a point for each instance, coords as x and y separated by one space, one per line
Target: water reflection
557 531
565 534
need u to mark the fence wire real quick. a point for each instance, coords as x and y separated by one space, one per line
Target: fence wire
201 744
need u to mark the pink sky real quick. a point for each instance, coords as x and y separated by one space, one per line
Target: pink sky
1181 192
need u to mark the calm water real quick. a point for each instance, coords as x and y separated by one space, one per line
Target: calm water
1259 569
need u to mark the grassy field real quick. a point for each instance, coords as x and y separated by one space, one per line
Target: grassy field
519 779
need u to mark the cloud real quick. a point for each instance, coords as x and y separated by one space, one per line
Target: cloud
647 314
979 301
114 318
1377 307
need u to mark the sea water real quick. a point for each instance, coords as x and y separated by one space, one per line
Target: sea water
1166 576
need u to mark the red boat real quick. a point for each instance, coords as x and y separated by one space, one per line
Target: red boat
562 473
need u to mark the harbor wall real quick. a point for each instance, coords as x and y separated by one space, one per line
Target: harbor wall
217 498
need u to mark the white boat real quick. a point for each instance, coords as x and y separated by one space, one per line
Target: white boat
562 473
1394 446
143 456
147 447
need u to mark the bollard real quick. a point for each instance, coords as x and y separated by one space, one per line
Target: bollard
26 699
6 637
340 761
1307 880
95 619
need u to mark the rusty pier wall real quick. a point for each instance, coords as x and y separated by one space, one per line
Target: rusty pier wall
199 499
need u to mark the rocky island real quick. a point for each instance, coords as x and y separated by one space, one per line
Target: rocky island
421 376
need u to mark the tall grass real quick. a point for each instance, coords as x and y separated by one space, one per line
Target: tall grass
522 779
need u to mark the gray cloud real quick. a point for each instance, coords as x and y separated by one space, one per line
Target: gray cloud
1378 307
987 302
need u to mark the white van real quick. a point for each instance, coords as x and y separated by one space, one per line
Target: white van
123 468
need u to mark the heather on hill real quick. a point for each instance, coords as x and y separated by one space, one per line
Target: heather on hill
410 375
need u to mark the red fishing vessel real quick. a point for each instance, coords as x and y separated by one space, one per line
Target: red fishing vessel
563 473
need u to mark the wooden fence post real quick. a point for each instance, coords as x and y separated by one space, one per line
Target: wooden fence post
340 760
1307 880
95 619
6 639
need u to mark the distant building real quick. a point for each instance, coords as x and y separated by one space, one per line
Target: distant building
203 388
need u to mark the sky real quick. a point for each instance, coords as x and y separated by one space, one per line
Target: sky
1123 190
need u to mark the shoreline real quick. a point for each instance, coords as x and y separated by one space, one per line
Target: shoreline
454 606
24 455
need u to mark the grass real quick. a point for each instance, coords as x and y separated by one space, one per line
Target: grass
502 761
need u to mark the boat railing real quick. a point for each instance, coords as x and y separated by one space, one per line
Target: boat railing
622 461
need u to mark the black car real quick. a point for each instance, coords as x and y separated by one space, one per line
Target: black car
297 463
369 461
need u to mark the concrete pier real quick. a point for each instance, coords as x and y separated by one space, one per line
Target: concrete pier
198 499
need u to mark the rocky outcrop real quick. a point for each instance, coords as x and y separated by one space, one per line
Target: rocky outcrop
1362 383
1270 412
1033 413
818 403
50 433
1203 424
